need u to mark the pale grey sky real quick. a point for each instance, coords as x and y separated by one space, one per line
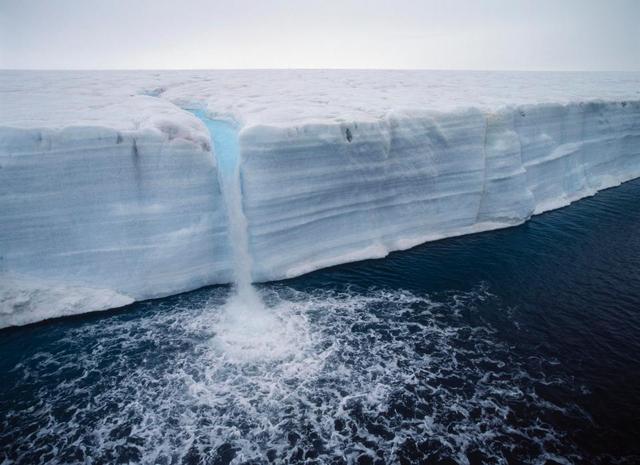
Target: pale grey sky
432 34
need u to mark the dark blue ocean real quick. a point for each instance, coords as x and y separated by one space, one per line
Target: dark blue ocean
507 347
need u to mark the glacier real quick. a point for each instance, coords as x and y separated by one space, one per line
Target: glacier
328 194
132 211
112 183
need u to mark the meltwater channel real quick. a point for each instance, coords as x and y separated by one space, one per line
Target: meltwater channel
507 347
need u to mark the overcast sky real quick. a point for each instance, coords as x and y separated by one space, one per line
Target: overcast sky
432 34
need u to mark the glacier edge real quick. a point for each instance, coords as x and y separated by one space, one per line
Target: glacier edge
315 197
81 209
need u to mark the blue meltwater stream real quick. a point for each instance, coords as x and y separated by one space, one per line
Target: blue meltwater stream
517 346
247 329
226 148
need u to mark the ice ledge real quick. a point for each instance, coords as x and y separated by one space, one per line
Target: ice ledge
25 300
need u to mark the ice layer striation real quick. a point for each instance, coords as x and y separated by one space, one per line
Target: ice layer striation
110 191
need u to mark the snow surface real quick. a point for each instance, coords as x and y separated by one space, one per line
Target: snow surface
56 99
108 184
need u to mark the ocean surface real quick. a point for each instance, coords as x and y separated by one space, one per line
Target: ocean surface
513 346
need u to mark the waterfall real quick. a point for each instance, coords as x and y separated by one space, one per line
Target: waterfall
246 330
227 151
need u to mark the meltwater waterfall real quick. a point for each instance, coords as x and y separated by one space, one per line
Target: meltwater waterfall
247 330
226 148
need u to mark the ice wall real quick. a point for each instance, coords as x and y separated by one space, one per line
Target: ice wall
321 194
111 216
110 193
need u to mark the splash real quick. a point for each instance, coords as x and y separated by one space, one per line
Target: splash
248 331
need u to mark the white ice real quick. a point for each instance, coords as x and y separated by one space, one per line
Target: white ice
325 194
108 183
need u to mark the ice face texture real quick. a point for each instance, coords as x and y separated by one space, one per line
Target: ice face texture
328 194
110 190
134 213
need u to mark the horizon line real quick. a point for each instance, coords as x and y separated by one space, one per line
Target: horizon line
537 70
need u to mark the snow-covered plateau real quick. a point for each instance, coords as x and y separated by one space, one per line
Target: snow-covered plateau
110 190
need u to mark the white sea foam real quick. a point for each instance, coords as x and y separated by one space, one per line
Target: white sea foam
323 376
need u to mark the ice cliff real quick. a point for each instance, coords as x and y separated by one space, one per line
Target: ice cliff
131 212
319 195
110 190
